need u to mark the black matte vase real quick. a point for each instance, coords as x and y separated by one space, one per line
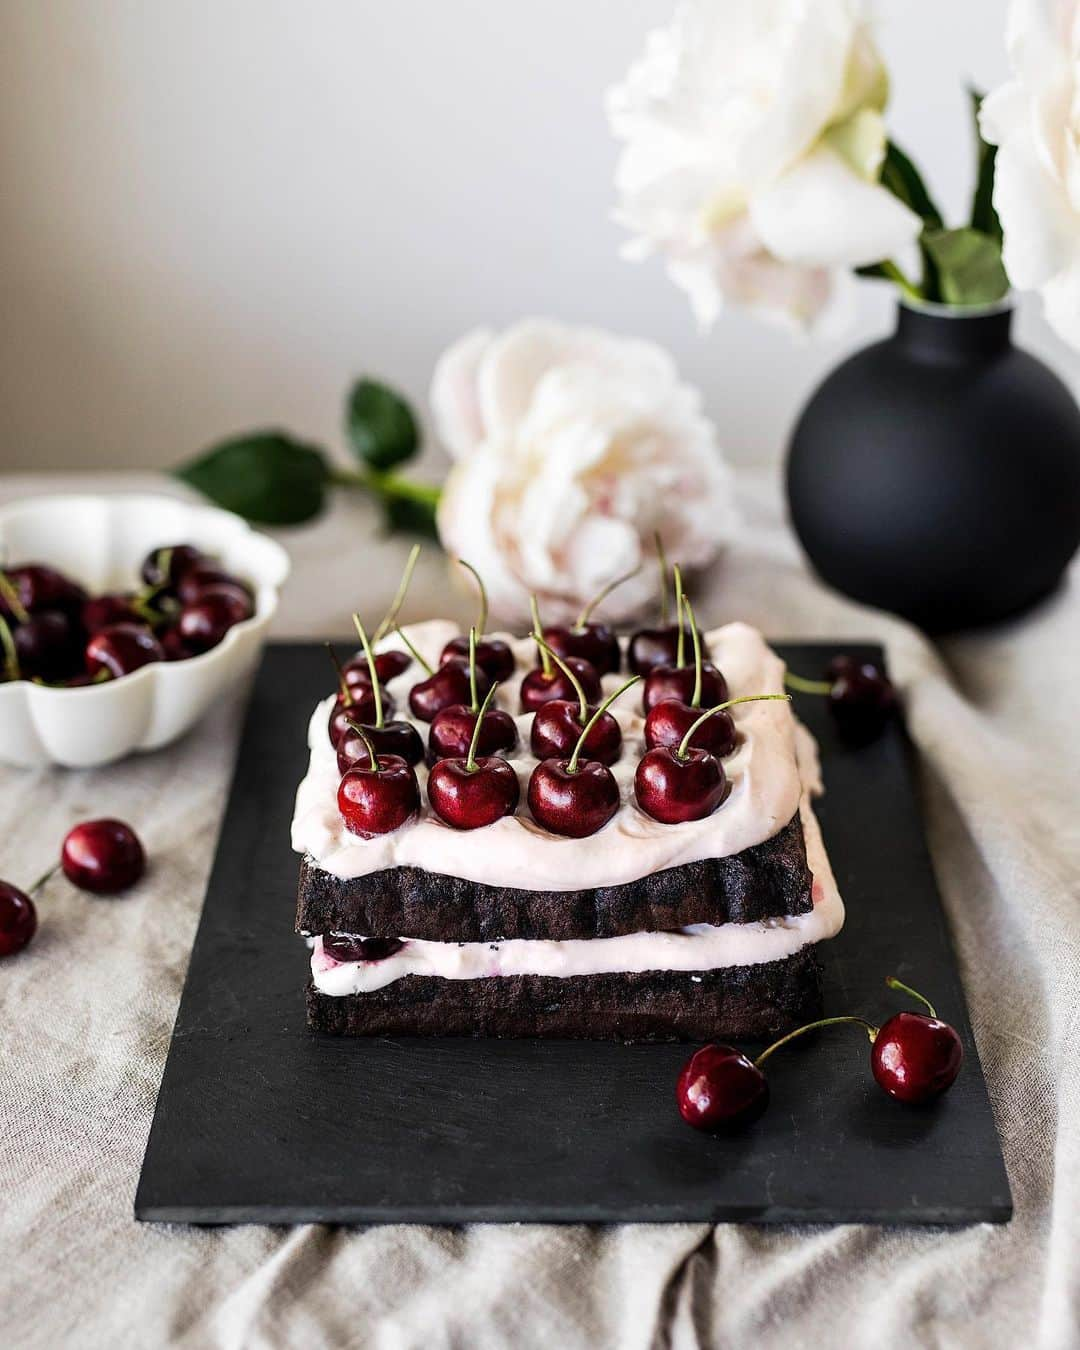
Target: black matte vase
937 474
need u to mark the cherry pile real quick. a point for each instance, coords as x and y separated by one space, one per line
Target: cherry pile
914 1057
53 632
101 856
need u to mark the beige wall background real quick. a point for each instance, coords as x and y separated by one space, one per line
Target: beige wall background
216 212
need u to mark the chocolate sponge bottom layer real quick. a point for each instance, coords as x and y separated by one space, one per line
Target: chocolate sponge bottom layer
761 882
752 1002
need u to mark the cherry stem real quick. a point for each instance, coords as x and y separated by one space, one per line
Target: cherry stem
894 983
373 758
413 652
481 623
684 745
538 634
343 683
583 617
695 701
473 701
661 560
680 650
376 691
868 1027
11 598
572 763
579 688
11 656
45 876
470 762
802 686
389 619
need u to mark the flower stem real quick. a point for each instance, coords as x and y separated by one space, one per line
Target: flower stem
470 762
684 745
572 763
870 1030
389 619
802 686
387 485
893 272
894 983
376 691
413 652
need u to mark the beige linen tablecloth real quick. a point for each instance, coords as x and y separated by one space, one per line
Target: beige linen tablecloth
88 1008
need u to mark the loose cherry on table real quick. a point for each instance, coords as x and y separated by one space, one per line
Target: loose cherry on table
675 783
588 641
493 655
471 792
915 1058
388 738
558 724
576 797
455 728
548 681
444 687
861 697
120 649
345 947
668 721
18 919
103 856
378 796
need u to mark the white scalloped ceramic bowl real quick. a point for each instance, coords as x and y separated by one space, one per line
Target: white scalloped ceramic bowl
100 541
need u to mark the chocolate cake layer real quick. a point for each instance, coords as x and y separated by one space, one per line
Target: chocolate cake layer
751 1002
762 882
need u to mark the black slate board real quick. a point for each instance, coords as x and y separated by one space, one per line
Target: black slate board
260 1120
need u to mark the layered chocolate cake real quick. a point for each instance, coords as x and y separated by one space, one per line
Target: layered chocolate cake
641 930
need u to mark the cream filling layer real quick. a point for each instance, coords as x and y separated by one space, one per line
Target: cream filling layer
774 761
701 947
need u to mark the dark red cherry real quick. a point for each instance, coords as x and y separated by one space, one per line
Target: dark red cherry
557 726
862 699
392 738
452 729
374 802
677 682
720 1089
48 645
449 684
493 656
388 665
652 647
102 610
540 687
41 587
359 707
203 623
103 856
916 1058
470 798
122 648
346 947
18 919
671 788
173 645
668 722
166 565
573 804
592 642
205 575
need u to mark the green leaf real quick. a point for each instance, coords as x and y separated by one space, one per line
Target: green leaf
969 266
904 181
983 215
265 476
381 425
410 516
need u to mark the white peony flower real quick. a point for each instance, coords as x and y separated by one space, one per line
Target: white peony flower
753 144
572 448
1034 119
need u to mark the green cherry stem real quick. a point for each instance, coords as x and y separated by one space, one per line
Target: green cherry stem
695 701
579 689
474 702
376 691
870 1030
10 597
343 683
684 745
572 762
802 686
413 652
45 876
894 983
680 650
373 758
661 562
470 762
11 656
538 634
601 595
389 620
481 622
